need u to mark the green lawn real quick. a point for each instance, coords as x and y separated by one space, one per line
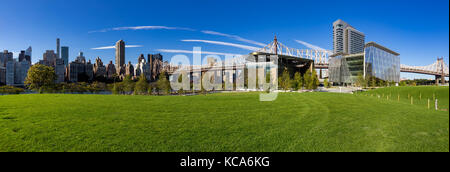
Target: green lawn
220 122
420 95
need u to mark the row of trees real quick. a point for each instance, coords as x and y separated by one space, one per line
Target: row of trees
10 90
416 82
41 78
142 87
372 81
309 80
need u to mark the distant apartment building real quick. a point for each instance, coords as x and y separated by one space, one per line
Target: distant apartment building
129 70
79 70
120 57
110 70
65 55
16 72
2 75
12 71
22 72
143 68
5 56
28 53
99 69
21 56
156 65
346 39
60 70
50 58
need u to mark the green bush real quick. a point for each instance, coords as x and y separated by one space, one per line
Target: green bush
10 90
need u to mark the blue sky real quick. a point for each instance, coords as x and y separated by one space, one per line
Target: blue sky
418 30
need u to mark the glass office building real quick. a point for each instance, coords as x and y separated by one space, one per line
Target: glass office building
344 69
382 63
376 61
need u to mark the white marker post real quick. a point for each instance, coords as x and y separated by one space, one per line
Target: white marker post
436 104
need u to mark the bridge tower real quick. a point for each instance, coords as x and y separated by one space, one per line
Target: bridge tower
275 43
440 71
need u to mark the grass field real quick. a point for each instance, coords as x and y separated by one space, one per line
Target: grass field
220 122
420 95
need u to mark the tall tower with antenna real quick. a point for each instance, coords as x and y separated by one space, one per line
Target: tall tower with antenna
58 48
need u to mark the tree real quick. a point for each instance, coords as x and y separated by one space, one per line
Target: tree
163 83
150 89
373 82
380 83
326 84
115 89
403 83
141 86
284 80
268 81
180 80
298 84
307 79
392 83
128 85
361 81
94 87
40 76
63 89
315 80
311 80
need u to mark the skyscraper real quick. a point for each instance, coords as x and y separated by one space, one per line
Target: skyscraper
49 57
5 56
347 39
28 54
22 56
120 55
81 58
58 50
65 55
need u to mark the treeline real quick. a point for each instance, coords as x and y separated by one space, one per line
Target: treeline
41 79
416 82
10 90
142 87
308 81
371 81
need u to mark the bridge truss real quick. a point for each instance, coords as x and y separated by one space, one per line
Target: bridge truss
437 68
321 59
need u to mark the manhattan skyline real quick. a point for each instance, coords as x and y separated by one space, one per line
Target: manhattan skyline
418 30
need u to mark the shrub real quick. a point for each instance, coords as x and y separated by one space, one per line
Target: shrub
10 90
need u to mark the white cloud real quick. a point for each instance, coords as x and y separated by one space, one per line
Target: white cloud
192 52
234 37
246 47
314 47
143 28
114 47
